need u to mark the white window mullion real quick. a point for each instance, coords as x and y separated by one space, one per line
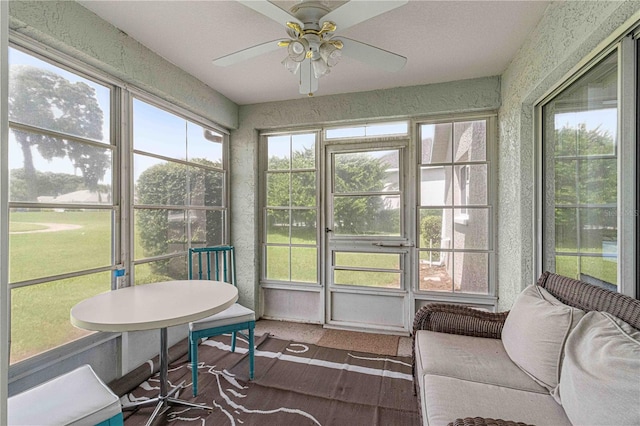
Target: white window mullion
123 183
4 220
627 172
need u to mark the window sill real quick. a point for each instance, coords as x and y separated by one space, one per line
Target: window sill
482 301
56 355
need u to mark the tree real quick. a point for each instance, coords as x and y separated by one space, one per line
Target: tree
354 173
47 100
360 214
302 185
584 176
162 230
48 183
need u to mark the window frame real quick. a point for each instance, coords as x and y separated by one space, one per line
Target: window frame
154 101
491 161
262 199
120 143
327 139
625 43
487 300
43 359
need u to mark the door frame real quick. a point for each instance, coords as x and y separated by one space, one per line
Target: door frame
402 245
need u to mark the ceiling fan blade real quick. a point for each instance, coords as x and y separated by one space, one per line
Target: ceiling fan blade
271 11
248 53
354 12
373 56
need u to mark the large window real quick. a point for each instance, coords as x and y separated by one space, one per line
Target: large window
455 216
179 191
290 240
584 177
87 198
61 200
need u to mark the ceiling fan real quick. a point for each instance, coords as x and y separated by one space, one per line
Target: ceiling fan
311 47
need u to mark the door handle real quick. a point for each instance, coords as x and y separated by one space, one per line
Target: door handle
392 245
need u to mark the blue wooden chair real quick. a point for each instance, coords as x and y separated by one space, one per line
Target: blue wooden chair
218 263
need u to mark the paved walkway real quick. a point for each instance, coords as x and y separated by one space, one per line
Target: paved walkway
50 227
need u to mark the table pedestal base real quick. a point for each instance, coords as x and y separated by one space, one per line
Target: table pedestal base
165 398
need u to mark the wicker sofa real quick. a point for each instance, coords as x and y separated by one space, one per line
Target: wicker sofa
473 367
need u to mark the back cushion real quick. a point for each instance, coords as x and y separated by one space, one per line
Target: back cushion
535 332
600 381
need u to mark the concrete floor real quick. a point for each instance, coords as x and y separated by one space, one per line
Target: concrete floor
310 333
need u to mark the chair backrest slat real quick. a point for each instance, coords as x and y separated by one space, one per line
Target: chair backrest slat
221 268
224 267
217 255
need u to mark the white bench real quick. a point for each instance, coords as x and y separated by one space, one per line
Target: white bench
78 397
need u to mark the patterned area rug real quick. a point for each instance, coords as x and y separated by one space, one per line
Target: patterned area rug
295 384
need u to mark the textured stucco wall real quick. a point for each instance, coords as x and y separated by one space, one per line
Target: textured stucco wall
566 34
446 98
78 32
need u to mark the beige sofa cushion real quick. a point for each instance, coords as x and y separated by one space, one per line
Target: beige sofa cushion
445 399
475 359
535 332
600 381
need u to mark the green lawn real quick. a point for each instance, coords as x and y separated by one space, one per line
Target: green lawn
368 278
304 263
597 267
40 313
51 253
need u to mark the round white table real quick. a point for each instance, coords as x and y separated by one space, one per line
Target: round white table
153 306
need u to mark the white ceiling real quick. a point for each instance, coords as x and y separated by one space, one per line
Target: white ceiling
442 40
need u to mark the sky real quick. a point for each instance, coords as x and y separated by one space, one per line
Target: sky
154 129
16 159
605 119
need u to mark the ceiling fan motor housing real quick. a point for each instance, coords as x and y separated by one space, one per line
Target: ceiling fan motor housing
310 13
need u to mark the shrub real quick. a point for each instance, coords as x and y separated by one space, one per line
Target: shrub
431 230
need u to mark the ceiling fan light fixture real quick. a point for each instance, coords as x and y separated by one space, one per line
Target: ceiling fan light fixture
320 68
298 49
330 54
291 65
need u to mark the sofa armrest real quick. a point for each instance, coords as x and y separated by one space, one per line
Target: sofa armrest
456 319
479 421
